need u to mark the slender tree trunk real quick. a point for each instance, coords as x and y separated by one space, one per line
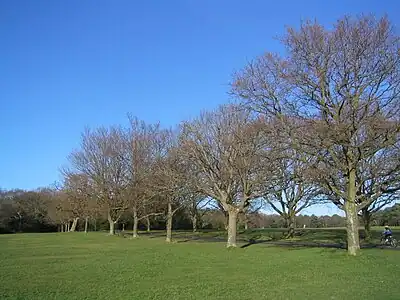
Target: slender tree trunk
366 215
74 223
194 222
169 223
226 220
19 223
86 224
95 224
135 224
148 224
62 227
112 224
123 226
246 221
68 228
232 224
353 239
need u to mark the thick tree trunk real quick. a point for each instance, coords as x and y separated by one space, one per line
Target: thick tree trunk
291 226
350 207
194 222
74 223
366 215
148 224
112 225
62 227
86 224
232 224
135 224
169 223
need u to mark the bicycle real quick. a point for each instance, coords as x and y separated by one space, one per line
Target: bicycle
389 241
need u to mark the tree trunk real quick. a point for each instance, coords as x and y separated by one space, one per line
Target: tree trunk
112 225
68 226
62 227
232 223
169 223
291 225
194 222
366 215
350 207
246 221
148 224
74 223
19 223
135 224
86 224
95 224
226 220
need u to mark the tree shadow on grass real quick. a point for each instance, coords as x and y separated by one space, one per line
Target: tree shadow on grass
318 238
294 244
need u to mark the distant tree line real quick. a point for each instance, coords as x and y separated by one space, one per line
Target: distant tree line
39 211
319 123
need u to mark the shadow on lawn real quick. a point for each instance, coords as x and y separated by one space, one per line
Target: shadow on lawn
311 238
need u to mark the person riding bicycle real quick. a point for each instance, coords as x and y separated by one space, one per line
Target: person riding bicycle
387 233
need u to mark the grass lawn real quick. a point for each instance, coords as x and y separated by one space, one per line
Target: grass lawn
96 266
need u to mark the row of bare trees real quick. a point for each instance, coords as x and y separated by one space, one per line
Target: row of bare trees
227 158
320 123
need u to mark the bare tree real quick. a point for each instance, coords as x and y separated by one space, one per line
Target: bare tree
102 159
255 206
378 184
79 200
171 177
341 86
292 190
224 148
143 149
196 208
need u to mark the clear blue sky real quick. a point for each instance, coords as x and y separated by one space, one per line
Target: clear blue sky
68 64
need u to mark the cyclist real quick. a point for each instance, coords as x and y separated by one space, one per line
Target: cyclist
387 233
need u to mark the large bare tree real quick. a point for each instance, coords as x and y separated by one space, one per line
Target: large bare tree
225 150
102 159
341 86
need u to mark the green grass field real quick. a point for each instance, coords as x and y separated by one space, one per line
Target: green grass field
96 266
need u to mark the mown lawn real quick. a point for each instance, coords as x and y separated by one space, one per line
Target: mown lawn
96 266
